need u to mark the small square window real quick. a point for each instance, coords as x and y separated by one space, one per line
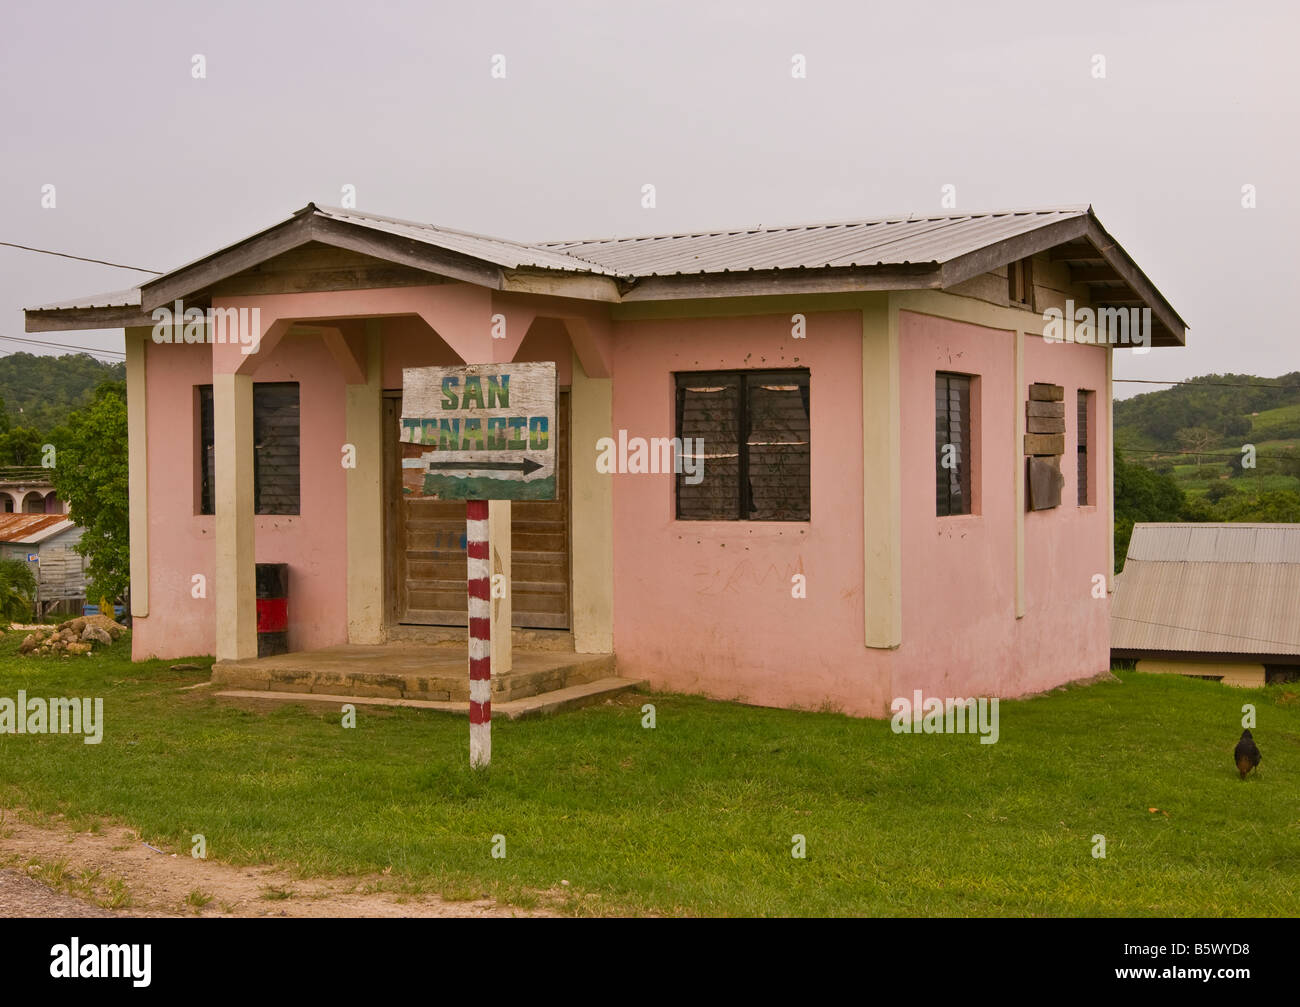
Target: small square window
753 430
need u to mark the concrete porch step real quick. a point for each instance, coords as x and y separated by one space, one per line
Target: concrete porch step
409 671
569 698
458 636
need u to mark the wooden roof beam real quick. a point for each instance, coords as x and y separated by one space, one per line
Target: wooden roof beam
1077 251
1094 274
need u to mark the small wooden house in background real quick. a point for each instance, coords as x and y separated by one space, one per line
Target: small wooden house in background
45 543
1211 600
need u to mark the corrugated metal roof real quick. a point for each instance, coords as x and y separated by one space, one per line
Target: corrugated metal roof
129 298
1216 543
884 241
1209 588
500 251
928 243
31 528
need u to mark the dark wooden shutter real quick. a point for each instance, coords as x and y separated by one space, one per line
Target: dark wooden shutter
778 447
708 408
276 437
276 444
952 426
1083 448
206 448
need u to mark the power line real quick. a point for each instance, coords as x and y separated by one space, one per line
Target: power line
1201 454
81 258
63 346
1203 384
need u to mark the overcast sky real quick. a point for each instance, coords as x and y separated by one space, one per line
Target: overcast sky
153 167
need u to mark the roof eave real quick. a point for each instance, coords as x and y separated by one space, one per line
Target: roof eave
304 227
765 282
1170 329
71 319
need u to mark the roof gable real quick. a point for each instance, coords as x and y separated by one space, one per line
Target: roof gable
891 253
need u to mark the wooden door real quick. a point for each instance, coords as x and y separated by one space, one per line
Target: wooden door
426 546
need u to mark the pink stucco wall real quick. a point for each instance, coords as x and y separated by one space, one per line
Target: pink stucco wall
706 606
960 633
181 540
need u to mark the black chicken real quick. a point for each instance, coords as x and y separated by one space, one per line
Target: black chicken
1246 754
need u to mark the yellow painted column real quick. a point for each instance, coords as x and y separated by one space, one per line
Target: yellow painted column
137 340
1018 453
236 589
591 405
1108 459
502 648
365 497
882 516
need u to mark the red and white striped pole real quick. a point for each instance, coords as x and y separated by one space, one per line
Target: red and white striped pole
480 632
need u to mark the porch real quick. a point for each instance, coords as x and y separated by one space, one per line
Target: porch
428 670
326 318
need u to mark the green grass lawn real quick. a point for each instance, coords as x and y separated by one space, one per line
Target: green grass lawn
696 816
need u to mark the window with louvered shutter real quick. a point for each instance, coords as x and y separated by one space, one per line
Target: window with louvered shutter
1082 413
207 461
755 432
276 444
952 449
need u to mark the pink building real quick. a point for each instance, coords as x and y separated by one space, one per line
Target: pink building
906 477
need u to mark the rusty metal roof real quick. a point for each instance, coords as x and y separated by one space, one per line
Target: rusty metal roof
31 528
1209 588
877 242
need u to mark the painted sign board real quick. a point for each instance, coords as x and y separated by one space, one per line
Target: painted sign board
479 432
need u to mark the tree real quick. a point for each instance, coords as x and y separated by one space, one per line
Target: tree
21 446
1236 426
1196 440
1218 491
17 590
90 472
1141 495
1270 507
40 390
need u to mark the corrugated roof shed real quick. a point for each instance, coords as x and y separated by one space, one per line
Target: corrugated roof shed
878 242
31 528
1215 589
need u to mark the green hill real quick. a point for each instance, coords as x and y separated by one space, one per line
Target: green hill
1218 435
1223 447
40 391
1227 405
